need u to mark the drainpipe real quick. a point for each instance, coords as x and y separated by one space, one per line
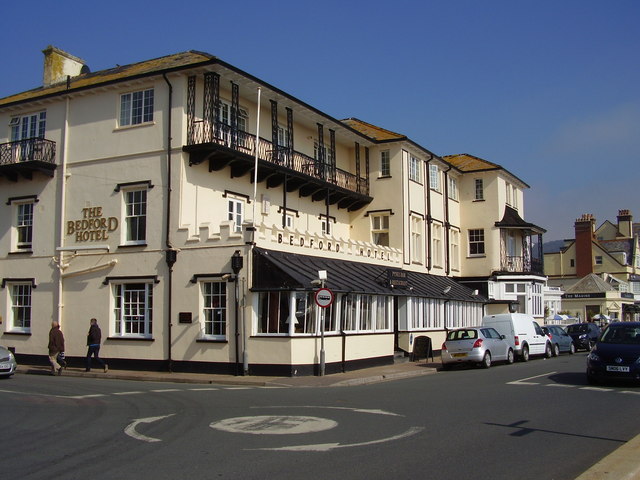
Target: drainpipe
63 198
447 259
429 219
171 254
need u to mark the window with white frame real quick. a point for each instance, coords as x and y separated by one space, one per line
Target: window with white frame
136 107
455 249
508 192
135 216
213 323
235 212
436 245
479 189
415 169
365 313
225 115
23 226
385 163
283 136
380 229
325 224
273 313
434 177
289 221
514 196
20 307
453 188
416 239
476 242
304 313
132 309
28 126
425 313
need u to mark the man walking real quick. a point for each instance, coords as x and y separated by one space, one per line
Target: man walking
56 346
94 337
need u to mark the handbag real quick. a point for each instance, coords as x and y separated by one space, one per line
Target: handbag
61 360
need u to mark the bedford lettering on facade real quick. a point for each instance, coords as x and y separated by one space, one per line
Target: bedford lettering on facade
93 226
320 245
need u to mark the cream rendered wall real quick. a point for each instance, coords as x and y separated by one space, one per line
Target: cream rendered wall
481 214
387 193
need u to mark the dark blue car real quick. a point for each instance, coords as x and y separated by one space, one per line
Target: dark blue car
616 355
561 341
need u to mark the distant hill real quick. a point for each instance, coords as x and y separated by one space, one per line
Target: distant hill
552 246
548 247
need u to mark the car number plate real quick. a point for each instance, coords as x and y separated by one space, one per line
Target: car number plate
5 366
459 355
617 368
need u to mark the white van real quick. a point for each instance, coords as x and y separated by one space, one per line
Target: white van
522 332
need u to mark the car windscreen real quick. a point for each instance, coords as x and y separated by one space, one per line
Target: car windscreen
466 334
621 334
577 328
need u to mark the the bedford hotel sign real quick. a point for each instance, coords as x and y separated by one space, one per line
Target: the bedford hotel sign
93 226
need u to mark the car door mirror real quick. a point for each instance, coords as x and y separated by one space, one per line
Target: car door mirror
503 337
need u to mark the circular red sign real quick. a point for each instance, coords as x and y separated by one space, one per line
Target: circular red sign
324 297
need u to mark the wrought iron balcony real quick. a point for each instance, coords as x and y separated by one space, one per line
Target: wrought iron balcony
221 147
520 264
23 157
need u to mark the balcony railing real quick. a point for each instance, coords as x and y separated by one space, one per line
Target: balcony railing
202 133
28 150
519 264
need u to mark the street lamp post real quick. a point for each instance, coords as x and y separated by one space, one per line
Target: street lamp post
322 278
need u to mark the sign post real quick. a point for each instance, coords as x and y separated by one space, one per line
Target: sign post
323 298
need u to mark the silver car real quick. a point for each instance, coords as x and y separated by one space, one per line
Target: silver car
8 363
477 345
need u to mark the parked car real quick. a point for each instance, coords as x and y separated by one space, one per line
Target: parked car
584 335
561 341
522 333
616 354
478 345
8 363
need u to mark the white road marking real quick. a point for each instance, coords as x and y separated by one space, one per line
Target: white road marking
274 424
237 388
325 447
127 393
561 385
523 381
629 391
82 397
359 410
131 428
164 390
597 389
209 389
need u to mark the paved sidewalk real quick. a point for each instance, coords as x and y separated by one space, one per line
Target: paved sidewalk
356 377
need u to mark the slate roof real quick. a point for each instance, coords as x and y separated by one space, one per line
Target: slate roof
135 70
470 163
591 283
373 131
511 219
275 270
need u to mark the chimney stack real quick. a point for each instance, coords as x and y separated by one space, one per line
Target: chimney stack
625 223
58 65
585 235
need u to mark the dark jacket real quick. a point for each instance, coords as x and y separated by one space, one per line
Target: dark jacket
95 335
56 341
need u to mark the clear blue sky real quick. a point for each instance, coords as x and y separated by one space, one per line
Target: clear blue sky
549 89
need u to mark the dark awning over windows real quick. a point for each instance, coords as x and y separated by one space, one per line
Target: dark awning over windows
275 270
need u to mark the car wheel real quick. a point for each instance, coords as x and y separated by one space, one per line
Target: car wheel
510 357
525 354
547 351
572 349
556 349
486 361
